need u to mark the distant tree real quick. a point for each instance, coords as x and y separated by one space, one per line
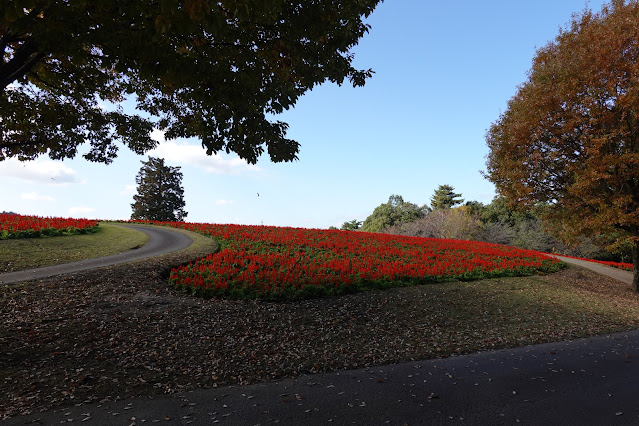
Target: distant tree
445 198
499 212
497 233
215 70
456 223
526 229
352 225
570 136
475 208
394 212
160 194
529 235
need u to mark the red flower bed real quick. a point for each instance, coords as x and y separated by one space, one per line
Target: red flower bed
18 226
287 263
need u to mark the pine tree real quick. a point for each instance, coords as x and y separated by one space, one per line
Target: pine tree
445 198
160 194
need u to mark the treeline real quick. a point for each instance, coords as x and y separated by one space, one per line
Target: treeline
449 217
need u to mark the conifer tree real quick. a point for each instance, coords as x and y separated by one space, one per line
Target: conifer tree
445 198
160 194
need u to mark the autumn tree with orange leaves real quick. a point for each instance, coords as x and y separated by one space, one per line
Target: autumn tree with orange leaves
569 138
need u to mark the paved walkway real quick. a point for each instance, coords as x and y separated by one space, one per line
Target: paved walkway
616 273
161 240
583 382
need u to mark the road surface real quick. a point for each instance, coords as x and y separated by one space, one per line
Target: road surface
162 240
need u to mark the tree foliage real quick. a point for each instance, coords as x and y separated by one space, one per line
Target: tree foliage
160 194
499 212
394 212
445 198
570 136
211 70
455 223
352 225
497 223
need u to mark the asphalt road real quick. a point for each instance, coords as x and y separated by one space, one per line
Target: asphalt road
616 273
161 240
583 382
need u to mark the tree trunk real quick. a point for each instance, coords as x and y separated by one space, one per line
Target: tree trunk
635 266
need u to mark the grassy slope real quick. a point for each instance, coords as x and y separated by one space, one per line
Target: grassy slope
16 255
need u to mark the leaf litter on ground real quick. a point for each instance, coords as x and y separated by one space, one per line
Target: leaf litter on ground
121 331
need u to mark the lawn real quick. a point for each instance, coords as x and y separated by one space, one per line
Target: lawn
25 253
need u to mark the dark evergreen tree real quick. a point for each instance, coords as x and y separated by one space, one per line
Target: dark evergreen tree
160 194
445 198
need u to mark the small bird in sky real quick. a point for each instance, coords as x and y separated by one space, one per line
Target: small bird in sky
258 194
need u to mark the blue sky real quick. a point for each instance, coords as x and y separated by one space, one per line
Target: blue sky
443 73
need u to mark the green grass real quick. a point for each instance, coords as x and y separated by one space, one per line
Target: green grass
19 254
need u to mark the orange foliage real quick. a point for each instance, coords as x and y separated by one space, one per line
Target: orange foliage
570 135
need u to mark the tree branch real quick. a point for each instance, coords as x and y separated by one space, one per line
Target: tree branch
5 40
24 59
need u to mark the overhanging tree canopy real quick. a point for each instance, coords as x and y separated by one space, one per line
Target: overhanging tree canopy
208 69
570 136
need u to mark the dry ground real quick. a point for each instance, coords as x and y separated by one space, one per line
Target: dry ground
120 331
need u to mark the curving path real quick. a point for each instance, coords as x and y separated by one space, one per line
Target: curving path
162 240
609 271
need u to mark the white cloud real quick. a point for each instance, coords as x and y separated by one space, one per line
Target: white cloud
224 202
195 155
34 196
80 211
46 171
128 190
158 135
